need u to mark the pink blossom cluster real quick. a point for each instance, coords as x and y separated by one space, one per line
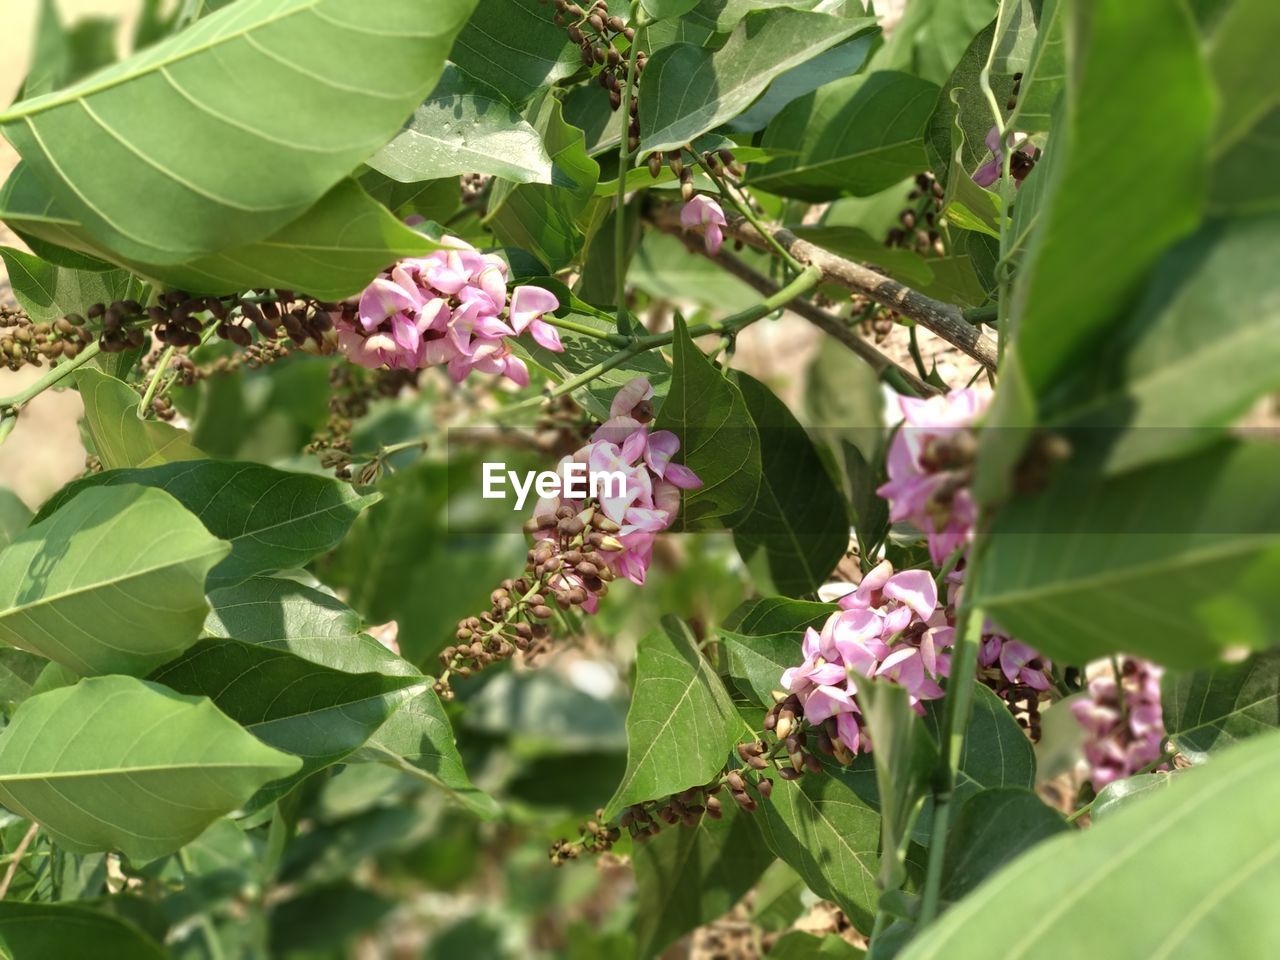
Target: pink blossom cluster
448 307
702 211
890 627
646 503
929 463
1123 720
1008 662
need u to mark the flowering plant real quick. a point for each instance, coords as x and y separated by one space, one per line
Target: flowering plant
921 598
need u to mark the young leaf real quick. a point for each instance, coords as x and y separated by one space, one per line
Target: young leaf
115 763
120 437
718 441
273 519
687 90
855 136
1062 892
799 519
1209 710
681 725
112 583
154 155
1120 793
689 876
464 127
70 930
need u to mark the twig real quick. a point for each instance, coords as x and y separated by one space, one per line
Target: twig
50 379
828 323
17 858
624 166
944 319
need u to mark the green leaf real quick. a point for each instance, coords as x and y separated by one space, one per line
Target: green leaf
115 763
681 725
1044 69
779 898
68 930
1208 710
822 827
1164 344
1120 793
14 516
932 36
464 127
542 217
718 440
962 115
1191 545
286 615
992 828
689 876
113 583
19 671
120 437
48 292
854 243
417 739
756 663
799 519
996 752
153 155
274 520
1134 210
764 616
1055 900
856 136
662 9
514 47
799 945
687 90
301 707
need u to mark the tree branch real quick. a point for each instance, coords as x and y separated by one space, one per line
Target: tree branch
828 323
944 319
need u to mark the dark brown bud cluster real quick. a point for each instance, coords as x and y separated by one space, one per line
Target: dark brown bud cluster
716 162
785 720
599 37
26 343
918 221
1022 700
352 390
595 836
872 319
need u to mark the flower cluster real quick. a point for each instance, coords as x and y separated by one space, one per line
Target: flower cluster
889 627
702 211
930 467
640 508
448 307
1123 719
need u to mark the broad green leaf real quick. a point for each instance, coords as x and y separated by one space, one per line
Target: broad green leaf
417 739
996 752
662 9
779 898
854 243
154 154
120 437
681 725
827 833
932 36
304 708
718 440
63 54
799 519
1054 902
756 663
687 90
663 268
286 615
113 583
962 115
854 136
68 930
542 217
1175 562
115 763
769 615
1165 343
1209 710
19 671
1044 71
332 250
992 828
689 876
434 200
464 127
14 516
514 47
48 292
274 520
1120 793
1133 211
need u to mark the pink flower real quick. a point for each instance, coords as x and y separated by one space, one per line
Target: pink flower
929 465
1123 720
704 212
1020 163
449 307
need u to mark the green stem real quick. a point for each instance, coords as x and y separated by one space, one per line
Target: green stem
624 165
51 378
157 375
617 339
744 207
980 315
956 707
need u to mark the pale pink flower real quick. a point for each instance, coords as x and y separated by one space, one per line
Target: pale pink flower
702 211
1123 720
